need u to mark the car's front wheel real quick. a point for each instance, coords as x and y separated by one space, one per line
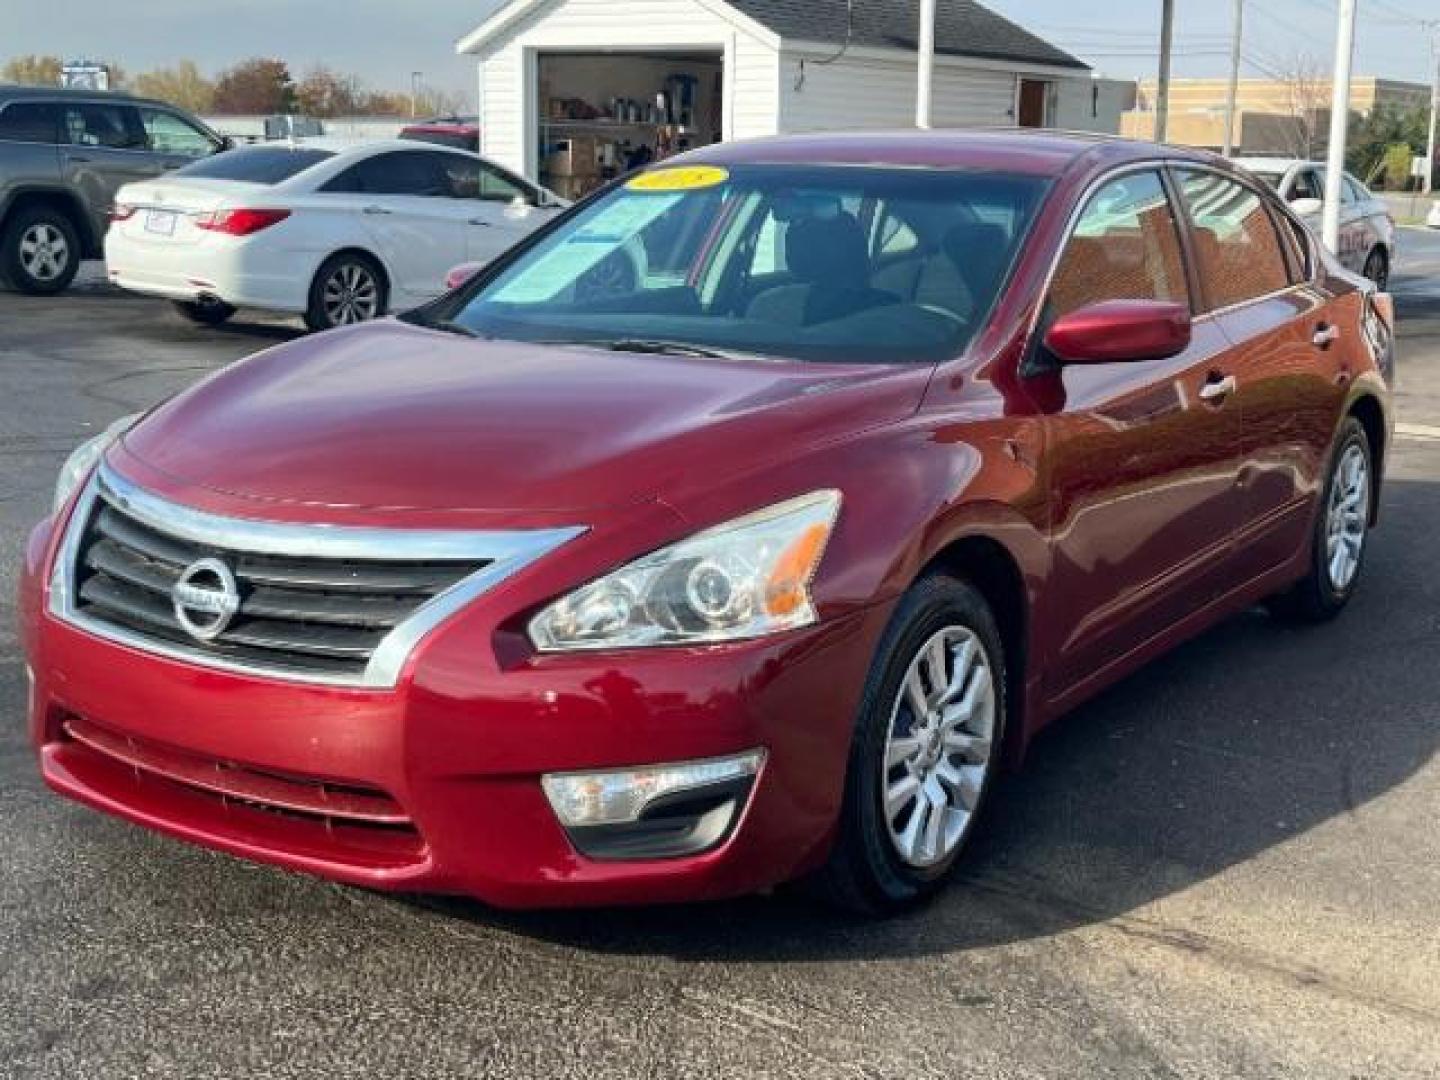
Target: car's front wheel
39 251
348 288
926 744
205 312
1342 524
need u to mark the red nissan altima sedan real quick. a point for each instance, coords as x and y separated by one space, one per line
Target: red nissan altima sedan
738 527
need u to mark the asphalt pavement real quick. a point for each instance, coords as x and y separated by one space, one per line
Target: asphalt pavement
1226 866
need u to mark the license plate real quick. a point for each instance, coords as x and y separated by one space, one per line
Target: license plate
160 221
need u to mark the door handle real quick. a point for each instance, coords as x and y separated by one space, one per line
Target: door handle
375 210
480 221
80 158
1325 335
1216 389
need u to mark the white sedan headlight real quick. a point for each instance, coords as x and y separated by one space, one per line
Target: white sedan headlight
85 457
743 579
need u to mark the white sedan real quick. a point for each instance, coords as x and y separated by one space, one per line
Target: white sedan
340 235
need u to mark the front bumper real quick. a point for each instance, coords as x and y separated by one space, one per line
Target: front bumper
446 767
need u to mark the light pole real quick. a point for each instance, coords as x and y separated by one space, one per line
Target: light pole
1339 125
415 77
1239 22
1434 110
1162 88
926 64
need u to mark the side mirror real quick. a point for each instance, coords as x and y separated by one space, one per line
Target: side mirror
1307 207
459 275
226 143
1116 331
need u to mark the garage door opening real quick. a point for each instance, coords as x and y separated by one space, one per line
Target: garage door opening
601 115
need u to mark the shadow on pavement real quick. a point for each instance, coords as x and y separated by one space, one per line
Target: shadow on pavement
1240 740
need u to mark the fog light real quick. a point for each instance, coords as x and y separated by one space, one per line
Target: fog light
659 811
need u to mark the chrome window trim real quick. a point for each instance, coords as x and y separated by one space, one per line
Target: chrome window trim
509 552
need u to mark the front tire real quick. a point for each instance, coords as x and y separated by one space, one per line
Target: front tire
348 288
927 743
39 251
1338 542
205 312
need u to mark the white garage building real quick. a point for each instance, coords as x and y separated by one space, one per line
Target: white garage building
572 91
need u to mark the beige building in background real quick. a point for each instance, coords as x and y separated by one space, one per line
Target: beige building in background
1272 116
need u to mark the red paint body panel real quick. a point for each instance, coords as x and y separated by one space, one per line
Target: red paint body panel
1133 510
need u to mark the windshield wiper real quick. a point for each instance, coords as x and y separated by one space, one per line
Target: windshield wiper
654 346
449 326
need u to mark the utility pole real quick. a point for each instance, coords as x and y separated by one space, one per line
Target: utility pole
1233 92
1339 125
926 64
1162 88
415 77
1434 109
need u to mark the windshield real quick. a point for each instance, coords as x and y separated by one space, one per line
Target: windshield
810 262
262 165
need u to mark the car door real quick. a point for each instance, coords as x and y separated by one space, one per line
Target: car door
1285 341
103 148
1142 457
402 203
504 209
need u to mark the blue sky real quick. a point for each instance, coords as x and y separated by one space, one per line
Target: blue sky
385 40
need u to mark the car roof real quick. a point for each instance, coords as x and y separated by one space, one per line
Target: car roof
17 92
1042 152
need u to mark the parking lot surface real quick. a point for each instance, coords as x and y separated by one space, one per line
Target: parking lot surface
1226 866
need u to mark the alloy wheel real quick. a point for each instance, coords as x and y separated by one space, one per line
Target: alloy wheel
939 747
350 295
1346 517
44 251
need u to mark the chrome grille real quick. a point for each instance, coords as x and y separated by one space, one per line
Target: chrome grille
348 617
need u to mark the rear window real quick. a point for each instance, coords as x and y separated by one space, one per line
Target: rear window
29 121
261 165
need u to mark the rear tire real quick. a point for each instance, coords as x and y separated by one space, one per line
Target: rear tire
39 251
348 288
1338 542
205 312
922 757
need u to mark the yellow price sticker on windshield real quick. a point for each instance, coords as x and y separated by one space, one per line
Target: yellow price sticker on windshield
680 178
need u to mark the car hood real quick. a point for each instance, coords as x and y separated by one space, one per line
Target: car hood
395 416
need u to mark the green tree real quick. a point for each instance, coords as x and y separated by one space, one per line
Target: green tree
1374 141
256 87
32 71
183 86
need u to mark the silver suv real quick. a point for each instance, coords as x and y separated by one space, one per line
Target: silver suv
63 155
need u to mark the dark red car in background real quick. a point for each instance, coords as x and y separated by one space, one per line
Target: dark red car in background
736 528
461 132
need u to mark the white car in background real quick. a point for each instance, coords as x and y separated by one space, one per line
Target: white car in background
1367 231
337 234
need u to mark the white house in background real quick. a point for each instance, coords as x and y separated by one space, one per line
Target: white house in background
568 88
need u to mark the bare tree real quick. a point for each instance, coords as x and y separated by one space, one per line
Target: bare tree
182 85
1307 87
32 71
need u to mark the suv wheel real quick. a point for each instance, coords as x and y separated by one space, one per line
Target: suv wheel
926 746
39 251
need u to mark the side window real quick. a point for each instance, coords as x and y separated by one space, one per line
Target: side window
169 134
1306 186
1235 240
29 121
495 186
403 172
114 127
1126 246
1296 241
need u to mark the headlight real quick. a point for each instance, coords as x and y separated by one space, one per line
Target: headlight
743 579
86 456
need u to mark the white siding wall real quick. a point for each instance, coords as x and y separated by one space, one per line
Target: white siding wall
1086 104
870 92
635 25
